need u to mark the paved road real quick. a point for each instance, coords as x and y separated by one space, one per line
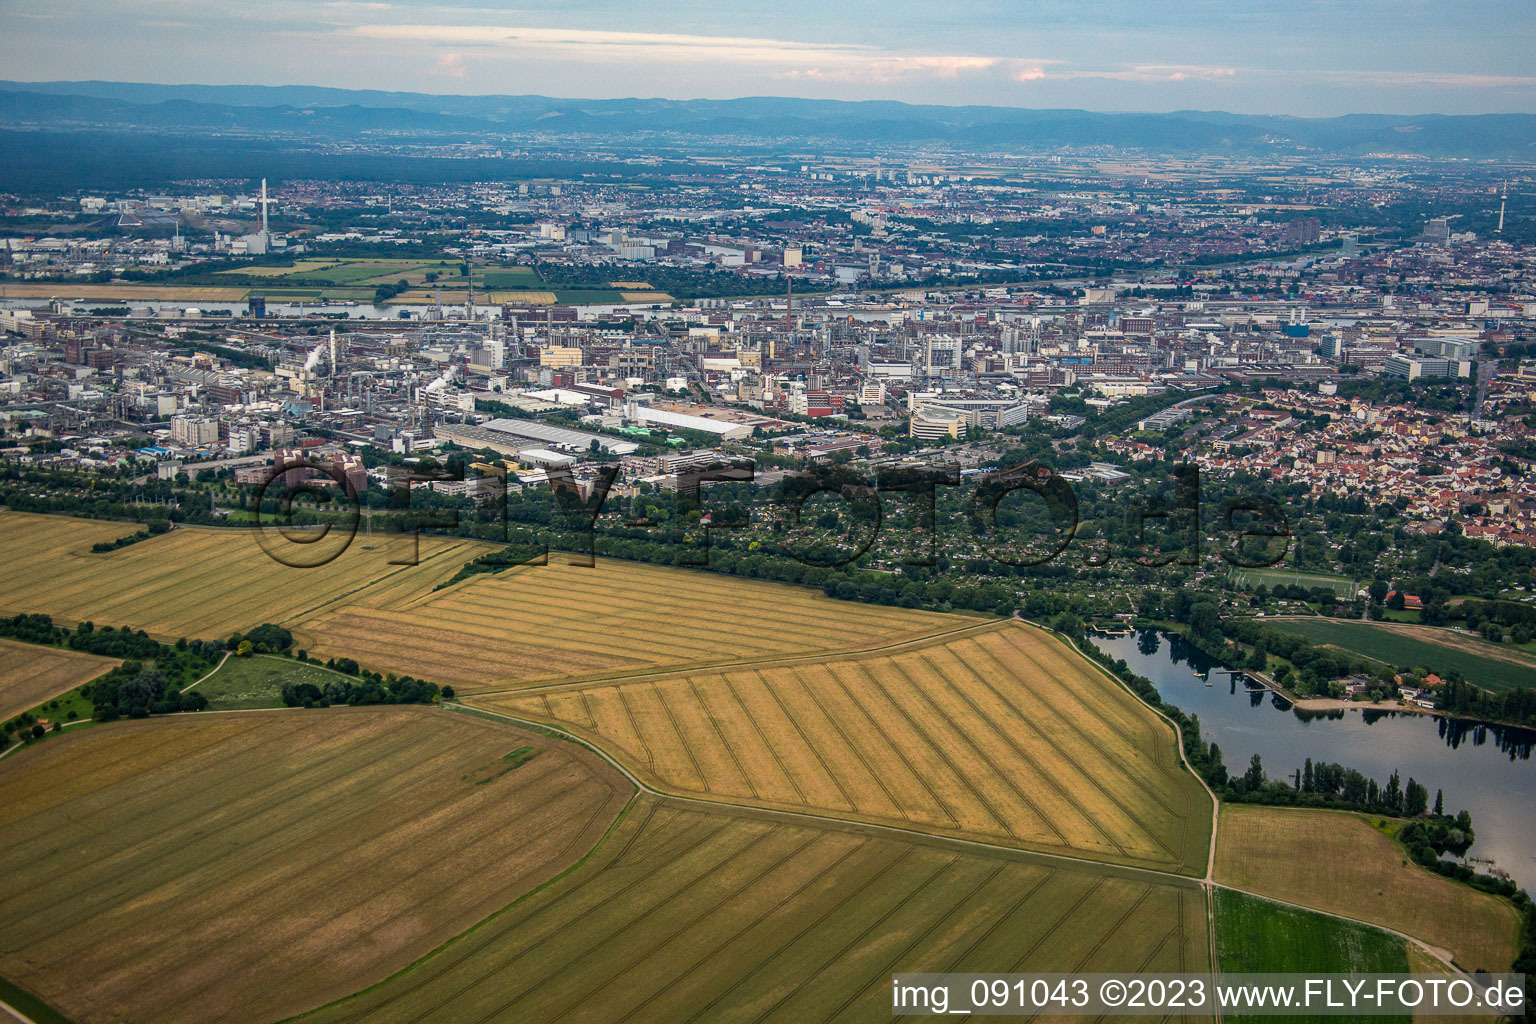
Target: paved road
1485 373
10 1015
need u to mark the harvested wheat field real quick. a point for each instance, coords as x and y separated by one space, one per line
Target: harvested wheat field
248 866
542 623
195 582
127 292
692 914
531 298
30 674
1000 733
1337 862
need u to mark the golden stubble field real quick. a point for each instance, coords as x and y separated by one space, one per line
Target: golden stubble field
124 292
30 674
1336 862
544 623
690 914
248 866
1000 733
200 582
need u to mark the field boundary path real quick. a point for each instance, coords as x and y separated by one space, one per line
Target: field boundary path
1209 881
827 820
577 682
208 673
1210 862
1207 884
15 1014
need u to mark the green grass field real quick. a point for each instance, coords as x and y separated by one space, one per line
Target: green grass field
1254 935
257 681
1491 666
510 278
58 709
1343 587
343 274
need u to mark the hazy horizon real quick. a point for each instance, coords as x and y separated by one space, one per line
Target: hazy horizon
640 97
1308 58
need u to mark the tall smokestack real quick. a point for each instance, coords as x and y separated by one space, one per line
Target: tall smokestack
263 205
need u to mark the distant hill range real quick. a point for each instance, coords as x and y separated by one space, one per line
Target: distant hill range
759 122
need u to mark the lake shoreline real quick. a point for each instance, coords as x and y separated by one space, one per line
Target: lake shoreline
1485 768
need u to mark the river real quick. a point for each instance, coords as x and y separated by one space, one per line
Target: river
353 310
1486 769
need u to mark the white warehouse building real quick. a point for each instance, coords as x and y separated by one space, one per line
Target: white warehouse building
645 415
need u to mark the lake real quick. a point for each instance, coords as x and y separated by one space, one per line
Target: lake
1486 769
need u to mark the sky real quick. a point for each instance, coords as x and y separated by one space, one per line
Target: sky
1301 57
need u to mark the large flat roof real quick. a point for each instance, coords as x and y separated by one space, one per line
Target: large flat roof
667 417
560 437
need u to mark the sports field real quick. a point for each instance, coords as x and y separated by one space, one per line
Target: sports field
1336 862
692 914
252 865
192 582
1487 665
1253 578
31 674
1001 733
614 618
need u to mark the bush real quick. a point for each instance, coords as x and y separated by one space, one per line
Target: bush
269 639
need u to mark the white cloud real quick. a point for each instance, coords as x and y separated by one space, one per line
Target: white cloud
1156 73
595 43
1458 80
779 58
451 64
888 69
